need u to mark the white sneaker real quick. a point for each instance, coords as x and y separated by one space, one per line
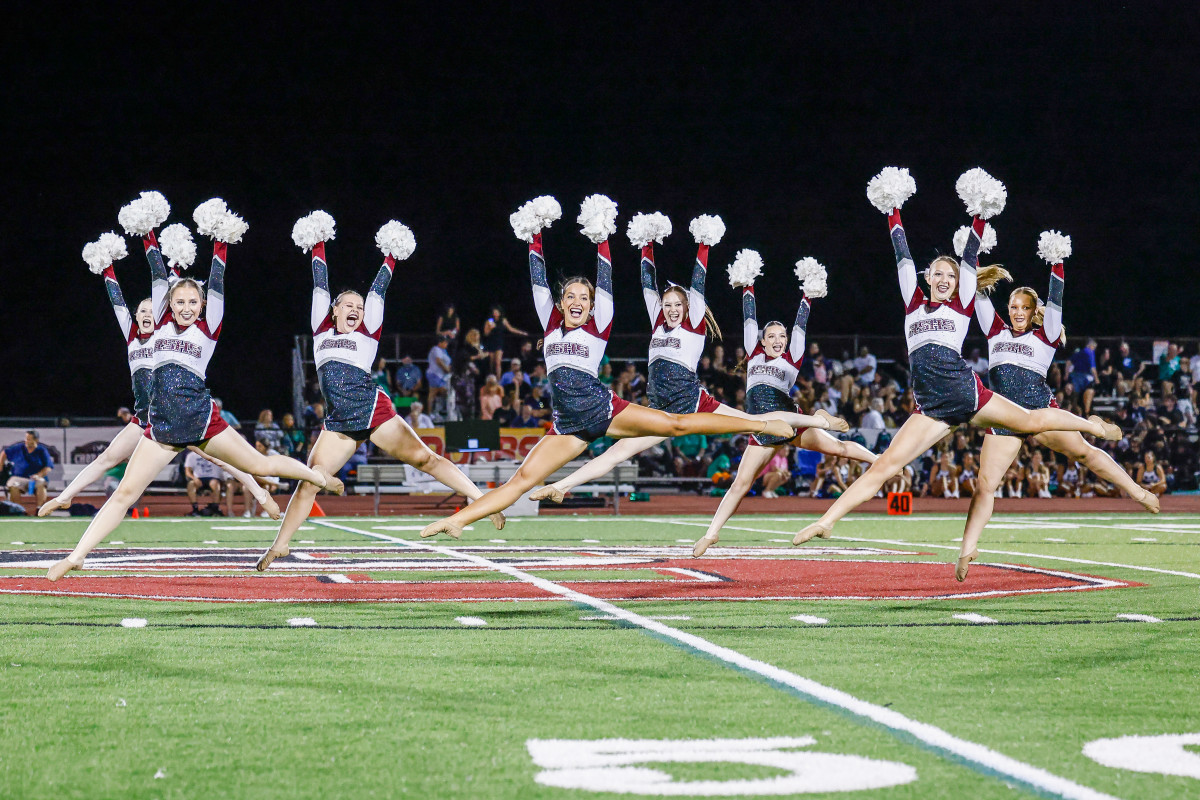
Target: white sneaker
264 515
247 514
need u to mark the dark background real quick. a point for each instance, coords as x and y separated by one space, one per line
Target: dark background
772 115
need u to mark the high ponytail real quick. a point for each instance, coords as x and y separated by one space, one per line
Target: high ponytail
987 277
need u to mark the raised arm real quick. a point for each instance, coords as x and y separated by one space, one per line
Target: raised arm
696 301
910 291
214 305
373 307
969 263
158 277
650 284
543 298
124 318
985 313
1054 248
799 331
321 298
603 310
749 320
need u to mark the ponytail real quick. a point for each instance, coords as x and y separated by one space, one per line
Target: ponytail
987 277
714 330
1039 311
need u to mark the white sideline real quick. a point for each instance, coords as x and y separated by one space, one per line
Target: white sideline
978 757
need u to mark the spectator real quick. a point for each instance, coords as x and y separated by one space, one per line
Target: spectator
507 412
515 374
1106 371
494 329
606 373
1071 482
829 481
437 372
528 356
526 419
227 415
776 474
1014 479
295 443
268 431
872 419
408 378
314 419
968 477
31 463
448 326
1037 476
1169 416
707 373
417 418
864 367
1129 367
381 376
690 455
1150 474
465 384
491 397
350 469
1168 366
472 350
273 484
125 415
202 475
943 479
978 364
1083 375
538 402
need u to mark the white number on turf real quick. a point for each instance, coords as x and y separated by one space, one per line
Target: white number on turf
606 765
1166 755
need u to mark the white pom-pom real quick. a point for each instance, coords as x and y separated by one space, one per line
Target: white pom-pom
646 228
532 217
707 229
1054 247
813 276
396 240
312 229
890 189
597 217
106 250
984 195
178 246
145 214
215 220
986 242
745 269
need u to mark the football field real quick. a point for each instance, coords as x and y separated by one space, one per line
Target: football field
592 657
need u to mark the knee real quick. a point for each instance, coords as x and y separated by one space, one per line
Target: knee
426 460
676 425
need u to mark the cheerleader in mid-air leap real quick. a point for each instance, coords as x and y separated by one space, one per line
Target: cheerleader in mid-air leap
772 366
682 323
947 391
138 329
577 328
1019 355
345 341
182 411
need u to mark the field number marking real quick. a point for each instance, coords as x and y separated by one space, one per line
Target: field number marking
1164 755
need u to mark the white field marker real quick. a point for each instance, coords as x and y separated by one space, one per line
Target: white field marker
1143 539
339 578
16 543
810 620
591 541
116 542
610 618
498 541
1052 539
978 619
1138 617
133 622
302 622
211 541
975 756
471 622
683 541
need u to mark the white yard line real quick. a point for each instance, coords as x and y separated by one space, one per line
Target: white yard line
975 756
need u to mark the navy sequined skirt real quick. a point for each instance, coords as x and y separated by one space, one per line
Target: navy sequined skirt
352 399
582 406
1024 387
763 399
945 387
182 410
675 389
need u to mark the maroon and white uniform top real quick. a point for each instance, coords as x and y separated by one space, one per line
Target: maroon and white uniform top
357 348
779 372
1034 349
683 344
927 322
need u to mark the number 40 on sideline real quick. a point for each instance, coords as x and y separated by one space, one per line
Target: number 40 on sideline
899 503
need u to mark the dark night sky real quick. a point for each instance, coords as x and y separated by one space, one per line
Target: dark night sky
772 115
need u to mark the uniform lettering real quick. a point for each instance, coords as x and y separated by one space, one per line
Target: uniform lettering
766 369
929 326
342 344
179 346
567 349
1013 347
141 353
666 341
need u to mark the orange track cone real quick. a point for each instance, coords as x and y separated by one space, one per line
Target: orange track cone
146 512
135 512
317 511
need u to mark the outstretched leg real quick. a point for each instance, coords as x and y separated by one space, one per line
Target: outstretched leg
1000 412
1101 463
598 467
995 457
118 451
822 442
230 447
251 486
398 440
148 458
547 455
916 435
330 452
635 421
753 460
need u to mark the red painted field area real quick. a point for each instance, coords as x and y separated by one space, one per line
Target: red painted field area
682 579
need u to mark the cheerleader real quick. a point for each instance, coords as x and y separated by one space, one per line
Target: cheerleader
1019 354
182 412
772 366
947 391
577 325
345 342
138 330
682 323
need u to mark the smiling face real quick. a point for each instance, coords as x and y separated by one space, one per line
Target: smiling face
144 317
186 304
674 305
774 340
348 312
1021 307
942 275
576 304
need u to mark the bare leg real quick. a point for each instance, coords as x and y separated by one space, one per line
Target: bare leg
598 467
398 440
230 447
635 421
546 456
1000 412
753 460
118 451
251 486
1101 463
995 457
916 435
148 458
822 442
330 452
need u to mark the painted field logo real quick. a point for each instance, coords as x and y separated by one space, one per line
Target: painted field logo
615 765
386 574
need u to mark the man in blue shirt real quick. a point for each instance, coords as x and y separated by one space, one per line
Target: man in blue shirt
31 463
1083 367
408 378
